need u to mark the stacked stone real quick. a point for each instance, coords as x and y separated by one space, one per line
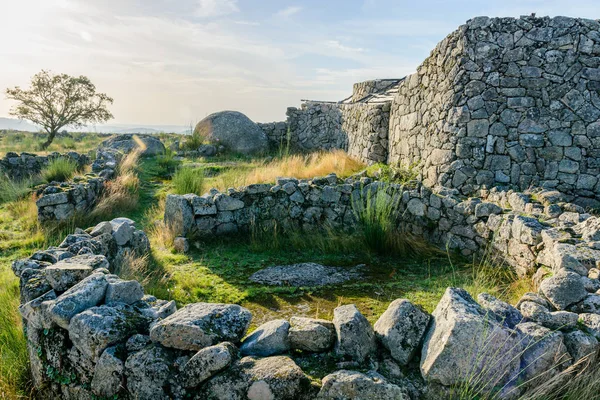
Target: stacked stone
359 128
61 201
505 101
92 334
361 90
25 165
508 220
277 133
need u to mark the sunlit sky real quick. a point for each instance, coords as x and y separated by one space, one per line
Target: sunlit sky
176 61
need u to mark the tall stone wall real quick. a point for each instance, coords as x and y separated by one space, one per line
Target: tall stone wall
362 89
505 101
359 128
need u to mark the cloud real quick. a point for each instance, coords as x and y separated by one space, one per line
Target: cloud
335 44
289 11
215 8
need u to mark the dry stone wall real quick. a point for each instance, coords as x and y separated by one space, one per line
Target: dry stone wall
60 201
25 165
505 101
91 334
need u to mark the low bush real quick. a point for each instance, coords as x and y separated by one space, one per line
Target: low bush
59 170
188 180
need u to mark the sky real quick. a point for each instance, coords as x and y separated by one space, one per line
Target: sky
176 61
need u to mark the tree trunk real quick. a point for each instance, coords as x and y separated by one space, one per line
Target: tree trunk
50 139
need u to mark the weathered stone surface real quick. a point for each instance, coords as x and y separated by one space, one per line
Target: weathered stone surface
86 294
544 353
464 340
126 143
147 372
563 289
401 328
305 274
233 130
506 314
108 374
34 311
355 339
310 334
64 275
178 214
590 323
94 261
346 385
256 379
121 291
97 328
268 339
580 344
206 363
199 325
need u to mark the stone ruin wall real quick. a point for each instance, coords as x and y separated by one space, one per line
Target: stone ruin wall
360 129
25 165
91 334
361 90
507 221
500 101
504 101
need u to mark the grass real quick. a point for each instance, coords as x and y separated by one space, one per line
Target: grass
12 190
19 142
60 169
305 167
218 271
188 180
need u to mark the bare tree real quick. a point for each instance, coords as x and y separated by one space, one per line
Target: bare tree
57 101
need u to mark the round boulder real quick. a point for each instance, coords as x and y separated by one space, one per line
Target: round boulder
233 130
126 143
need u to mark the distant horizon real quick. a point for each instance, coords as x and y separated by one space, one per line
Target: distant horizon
168 62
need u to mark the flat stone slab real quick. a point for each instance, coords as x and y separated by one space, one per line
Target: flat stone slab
306 274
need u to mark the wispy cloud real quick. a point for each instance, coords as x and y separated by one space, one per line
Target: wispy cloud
335 44
288 11
215 8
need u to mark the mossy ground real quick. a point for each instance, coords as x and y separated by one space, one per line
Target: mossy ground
218 270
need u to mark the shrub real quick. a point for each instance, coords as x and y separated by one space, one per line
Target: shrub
188 180
196 139
59 170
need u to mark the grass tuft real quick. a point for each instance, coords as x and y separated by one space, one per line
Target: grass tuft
188 180
59 170
12 190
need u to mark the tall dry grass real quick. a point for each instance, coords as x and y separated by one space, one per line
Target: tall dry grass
305 167
121 194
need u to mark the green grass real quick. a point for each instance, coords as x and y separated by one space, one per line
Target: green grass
218 271
188 180
12 190
60 169
19 142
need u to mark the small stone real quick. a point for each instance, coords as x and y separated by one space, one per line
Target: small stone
64 275
401 328
206 363
121 291
108 374
355 336
309 334
269 339
181 245
343 384
200 325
